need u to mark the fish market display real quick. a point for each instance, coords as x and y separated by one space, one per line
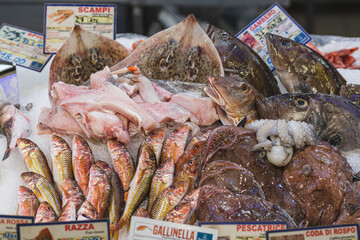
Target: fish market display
302 69
235 96
27 202
326 175
14 125
82 54
220 205
182 52
342 58
239 59
284 136
328 114
34 158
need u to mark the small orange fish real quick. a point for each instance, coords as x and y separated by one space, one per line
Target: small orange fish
142 228
72 192
87 212
45 213
27 202
82 160
175 144
143 213
68 213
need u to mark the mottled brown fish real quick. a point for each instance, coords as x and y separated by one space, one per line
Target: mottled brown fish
34 158
182 52
61 161
82 159
239 59
301 69
235 96
82 54
336 120
45 213
27 202
43 189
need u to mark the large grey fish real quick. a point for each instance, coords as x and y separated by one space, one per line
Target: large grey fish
335 119
301 69
239 59
182 52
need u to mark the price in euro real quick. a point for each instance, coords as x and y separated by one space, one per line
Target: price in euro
11 58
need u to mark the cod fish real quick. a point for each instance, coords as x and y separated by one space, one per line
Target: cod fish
301 69
14 125
82 54
335 119
182 52
239 59
235 96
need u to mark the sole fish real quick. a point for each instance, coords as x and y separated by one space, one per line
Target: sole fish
34 158
13 125
43 189
61 161
82 159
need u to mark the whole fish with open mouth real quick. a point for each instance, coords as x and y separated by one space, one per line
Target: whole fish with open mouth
235 96
239 59
181 52
13 124
301 69
335 119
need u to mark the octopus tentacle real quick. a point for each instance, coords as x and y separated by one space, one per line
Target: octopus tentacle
266 145
298 133
269 128
283 133
255 125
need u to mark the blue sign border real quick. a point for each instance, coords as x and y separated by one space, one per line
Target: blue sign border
24 29
73 5
63 223
266 11
243 223
314 228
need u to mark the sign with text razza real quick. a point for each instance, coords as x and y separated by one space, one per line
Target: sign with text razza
338 232
274 20
22 47
60 20
76 230
150 229
243 230
8 225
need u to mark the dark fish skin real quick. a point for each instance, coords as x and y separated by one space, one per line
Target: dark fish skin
335 119
239 59
301 69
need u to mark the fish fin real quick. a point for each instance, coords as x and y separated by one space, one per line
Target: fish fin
242 122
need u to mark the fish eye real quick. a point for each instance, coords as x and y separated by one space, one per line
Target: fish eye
244 88
176 131
285 43
224 35
302 103
191 163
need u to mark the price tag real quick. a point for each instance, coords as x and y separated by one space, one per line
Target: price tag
60 20
150 229
345 232
76 230
274 20
243 230
22 47
8 225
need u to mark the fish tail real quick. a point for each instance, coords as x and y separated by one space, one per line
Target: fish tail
6 154
123 223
